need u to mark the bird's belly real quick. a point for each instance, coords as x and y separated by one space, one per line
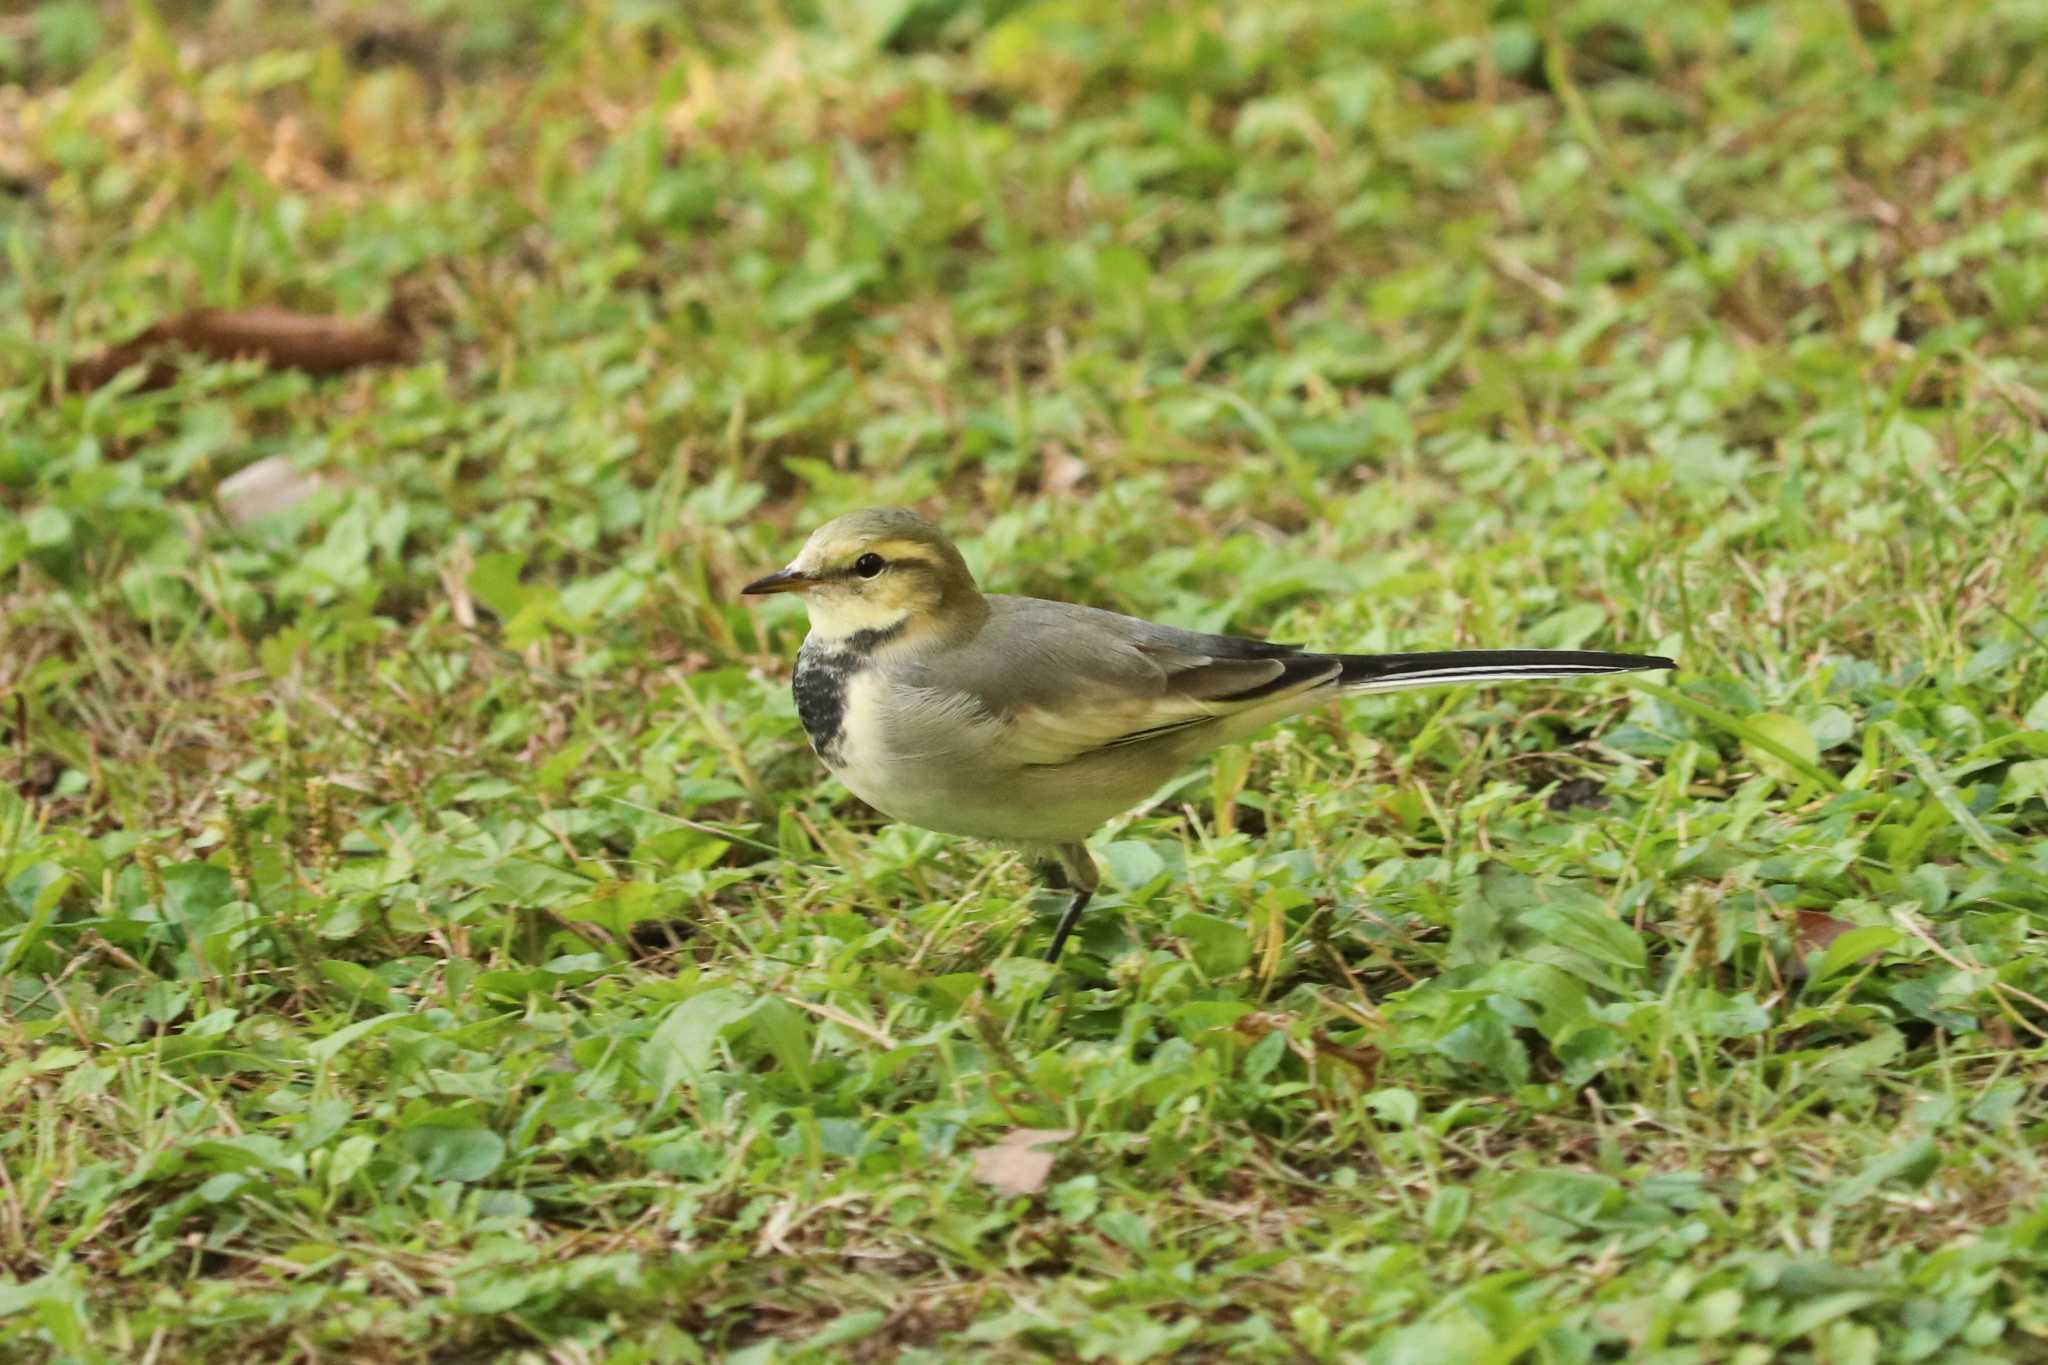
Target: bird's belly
964 790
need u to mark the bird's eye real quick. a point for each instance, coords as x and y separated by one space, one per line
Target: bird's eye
868 565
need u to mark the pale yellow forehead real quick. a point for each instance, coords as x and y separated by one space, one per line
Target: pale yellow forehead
884 531
889 547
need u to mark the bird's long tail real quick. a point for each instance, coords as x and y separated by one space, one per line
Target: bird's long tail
1396 672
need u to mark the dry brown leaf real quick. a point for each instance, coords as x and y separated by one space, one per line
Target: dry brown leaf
1816 930
455 571
1014 1165
1061 471
1364 1060
269 486
278 337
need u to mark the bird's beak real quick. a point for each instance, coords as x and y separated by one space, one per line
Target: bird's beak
782 580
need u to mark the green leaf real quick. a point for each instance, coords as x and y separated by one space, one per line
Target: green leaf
1264 1056
1219 947
1943 790
1206 1016
1132 865
1447 1211
1561 997
786 1032
1485 1040
685 1043
1853 945
1773 735
1583 925
1830 726
1912 1161
324 1118
358 982
1570 628
1391 1104
1730 1016
350 1156
847 1327
195 893
806 295
458 1154
48 527
556 770
38 890
494 581
328 1048
1749 735
2025 782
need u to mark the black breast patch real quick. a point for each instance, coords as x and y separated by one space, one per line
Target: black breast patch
822 674
820 688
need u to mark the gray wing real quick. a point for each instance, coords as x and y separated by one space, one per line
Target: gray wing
1046 683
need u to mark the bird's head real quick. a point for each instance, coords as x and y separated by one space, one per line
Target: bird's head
885 571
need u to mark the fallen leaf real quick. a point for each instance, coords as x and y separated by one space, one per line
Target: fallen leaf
278 337
455 571
1364 1060
1261 1024
1817 929
1014 1165
1872 19
1815 934
1061 471
269 486
1999 1032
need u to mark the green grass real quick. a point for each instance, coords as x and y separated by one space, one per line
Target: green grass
426 935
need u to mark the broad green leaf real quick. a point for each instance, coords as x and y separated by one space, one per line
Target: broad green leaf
1206 1016
494 581
1561 997
1220 947
685 1043
1391 1104
1943 790
328 1048
1131 864
1446 1212
350 1156
1912 1161
357 982
2037 714
1570 628
786 1032
2025 782
37 891
1787 735
1752 737
1852 946
47 527
459 1154
1584 925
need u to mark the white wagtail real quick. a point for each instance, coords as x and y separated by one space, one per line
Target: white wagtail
1033 722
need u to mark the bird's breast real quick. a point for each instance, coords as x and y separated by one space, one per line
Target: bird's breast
923 757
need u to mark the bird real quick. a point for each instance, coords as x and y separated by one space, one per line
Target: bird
1032 722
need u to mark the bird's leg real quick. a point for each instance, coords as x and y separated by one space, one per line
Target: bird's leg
1076 869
